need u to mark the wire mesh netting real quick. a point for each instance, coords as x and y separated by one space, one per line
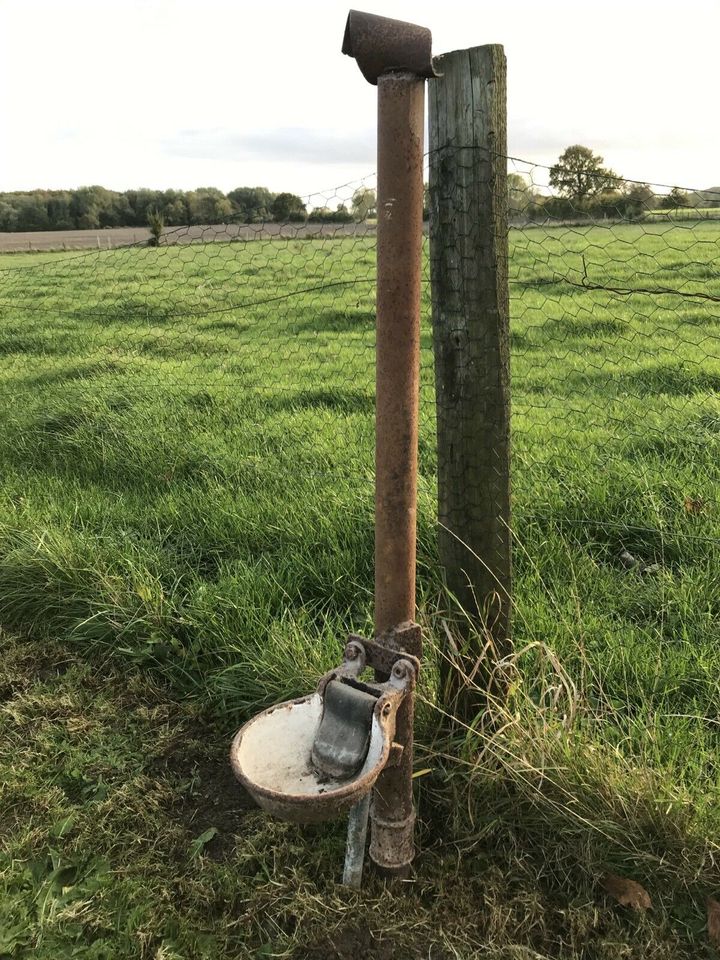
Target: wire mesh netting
203 409
271 322
616 364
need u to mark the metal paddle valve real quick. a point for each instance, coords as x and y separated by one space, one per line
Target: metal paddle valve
343 738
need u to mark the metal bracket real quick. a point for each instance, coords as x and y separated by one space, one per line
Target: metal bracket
384 651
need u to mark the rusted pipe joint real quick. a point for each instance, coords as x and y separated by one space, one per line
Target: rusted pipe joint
392 847
382 45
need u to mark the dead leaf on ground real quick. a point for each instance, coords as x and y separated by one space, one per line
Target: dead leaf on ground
713 922
694 504
628 893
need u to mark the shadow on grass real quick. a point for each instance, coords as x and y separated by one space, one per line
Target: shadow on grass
323 320
85 371
342 401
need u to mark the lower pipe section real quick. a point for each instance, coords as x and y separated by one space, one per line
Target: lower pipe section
355 849
393 848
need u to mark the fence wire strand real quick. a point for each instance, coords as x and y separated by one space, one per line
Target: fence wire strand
266 331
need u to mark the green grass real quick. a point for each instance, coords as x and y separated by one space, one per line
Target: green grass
186 500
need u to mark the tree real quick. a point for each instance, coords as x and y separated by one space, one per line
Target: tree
156 222
8 216
287 206
521 196
208 205
174 208
320 215
86 205
115 211
58 208
140 202
639 199
579 175
93 207
32 212
364 203
252 204
342 214
676 198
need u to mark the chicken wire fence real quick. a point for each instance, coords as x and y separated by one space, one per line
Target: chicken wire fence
615 346
246 351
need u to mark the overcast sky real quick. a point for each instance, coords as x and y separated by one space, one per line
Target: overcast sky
186 93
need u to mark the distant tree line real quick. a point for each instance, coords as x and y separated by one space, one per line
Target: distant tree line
586 188
583 186
92 208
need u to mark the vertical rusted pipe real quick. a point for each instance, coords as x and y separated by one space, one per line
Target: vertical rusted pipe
401 100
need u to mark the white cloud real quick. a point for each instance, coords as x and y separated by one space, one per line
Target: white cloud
302 144
175 93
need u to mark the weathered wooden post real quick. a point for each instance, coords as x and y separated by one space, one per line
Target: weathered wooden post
470 310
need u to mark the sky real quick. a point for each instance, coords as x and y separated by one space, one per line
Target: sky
226 93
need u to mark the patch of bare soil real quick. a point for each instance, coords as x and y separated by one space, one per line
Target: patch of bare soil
360 943
206 792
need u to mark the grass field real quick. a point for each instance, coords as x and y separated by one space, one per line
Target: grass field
186 441
687 213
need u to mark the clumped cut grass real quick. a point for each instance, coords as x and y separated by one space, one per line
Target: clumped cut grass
186 499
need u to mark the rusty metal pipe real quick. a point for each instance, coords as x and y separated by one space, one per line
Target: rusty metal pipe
396 56
401 101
